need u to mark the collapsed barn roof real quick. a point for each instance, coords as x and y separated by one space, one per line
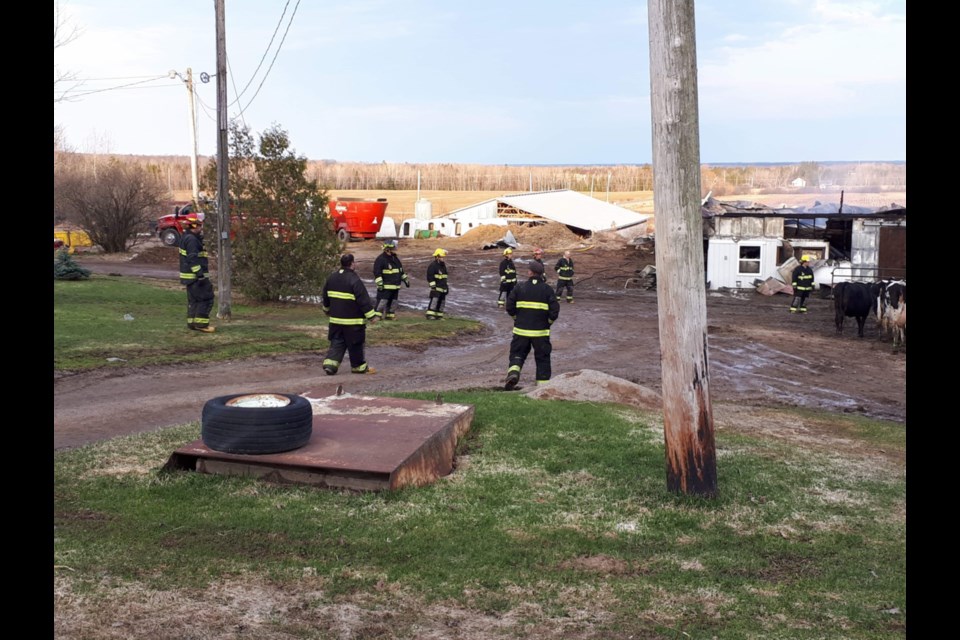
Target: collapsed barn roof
567 207
711 207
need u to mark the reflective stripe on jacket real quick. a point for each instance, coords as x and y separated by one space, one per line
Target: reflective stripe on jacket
345 298
533 306
564 269
437 277
193 258
508 272
388 272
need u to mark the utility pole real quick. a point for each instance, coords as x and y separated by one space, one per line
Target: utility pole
681 290
188 81
223 184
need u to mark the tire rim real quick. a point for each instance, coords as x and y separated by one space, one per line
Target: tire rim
259 400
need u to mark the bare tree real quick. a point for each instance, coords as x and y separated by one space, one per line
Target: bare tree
114 204
63 34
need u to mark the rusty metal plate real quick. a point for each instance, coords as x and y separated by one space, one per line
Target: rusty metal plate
358 442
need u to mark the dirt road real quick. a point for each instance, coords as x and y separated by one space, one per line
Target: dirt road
759 353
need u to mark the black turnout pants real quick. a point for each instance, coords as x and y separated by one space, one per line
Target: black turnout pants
520 348
199 301
346 339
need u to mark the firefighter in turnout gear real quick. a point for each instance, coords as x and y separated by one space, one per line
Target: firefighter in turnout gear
437 279
802 283
534 308
564 269
347 305
194 266
388 274
508 277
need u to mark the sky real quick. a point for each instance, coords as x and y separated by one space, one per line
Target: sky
519 82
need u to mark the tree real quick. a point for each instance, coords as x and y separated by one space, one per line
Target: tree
283 242
65 268
114 203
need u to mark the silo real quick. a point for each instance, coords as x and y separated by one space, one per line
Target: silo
423 210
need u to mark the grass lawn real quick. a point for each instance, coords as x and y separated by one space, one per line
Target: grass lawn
110 321
556 524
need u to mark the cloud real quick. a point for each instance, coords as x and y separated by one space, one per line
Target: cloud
843 55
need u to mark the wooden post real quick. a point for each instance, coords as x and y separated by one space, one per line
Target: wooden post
224 259
681 291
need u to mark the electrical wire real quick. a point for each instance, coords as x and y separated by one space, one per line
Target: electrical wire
280 46
262 58
122 86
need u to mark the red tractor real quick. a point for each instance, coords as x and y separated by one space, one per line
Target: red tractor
170 227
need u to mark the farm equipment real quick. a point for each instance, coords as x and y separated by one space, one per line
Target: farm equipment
357 218
352 219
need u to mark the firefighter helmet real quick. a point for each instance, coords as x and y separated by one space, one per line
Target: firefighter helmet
389 244
439 253
192 220
805 258
507 251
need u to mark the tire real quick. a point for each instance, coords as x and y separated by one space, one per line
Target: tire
343 235
256 423
170 237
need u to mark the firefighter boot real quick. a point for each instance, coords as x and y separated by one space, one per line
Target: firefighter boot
513 377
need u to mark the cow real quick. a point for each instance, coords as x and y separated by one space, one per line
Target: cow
891 307
852 300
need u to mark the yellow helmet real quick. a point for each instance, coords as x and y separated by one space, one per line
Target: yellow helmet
440 252
507 252
805 258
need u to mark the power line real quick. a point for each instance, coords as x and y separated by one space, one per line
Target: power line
122 86
280 46
263 57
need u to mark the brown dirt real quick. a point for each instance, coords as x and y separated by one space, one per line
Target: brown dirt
760 355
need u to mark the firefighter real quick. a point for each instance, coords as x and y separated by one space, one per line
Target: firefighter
194 273
802 283
538 256
388 274
347 305
508 276
437 279
564 269
534 308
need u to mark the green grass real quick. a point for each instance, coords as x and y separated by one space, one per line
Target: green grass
90 330
557 518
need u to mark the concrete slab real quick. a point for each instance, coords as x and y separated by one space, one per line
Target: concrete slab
363 443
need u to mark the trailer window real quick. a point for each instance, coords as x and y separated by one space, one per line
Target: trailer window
749 259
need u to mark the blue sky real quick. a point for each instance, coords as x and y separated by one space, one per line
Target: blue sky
492 82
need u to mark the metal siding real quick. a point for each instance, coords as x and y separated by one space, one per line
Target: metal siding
863 249
723 262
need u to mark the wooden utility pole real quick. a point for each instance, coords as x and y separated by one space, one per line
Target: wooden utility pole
681 290
224 261
193 138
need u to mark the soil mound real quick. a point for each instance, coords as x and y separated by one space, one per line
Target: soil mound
588 385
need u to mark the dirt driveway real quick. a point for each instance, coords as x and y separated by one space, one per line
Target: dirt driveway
760 355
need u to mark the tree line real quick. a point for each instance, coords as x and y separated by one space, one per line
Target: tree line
173 172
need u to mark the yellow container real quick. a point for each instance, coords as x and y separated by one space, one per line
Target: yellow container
73 239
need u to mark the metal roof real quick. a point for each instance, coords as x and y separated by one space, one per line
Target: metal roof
566 207
711 207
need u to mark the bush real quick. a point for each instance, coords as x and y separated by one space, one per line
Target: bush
65 268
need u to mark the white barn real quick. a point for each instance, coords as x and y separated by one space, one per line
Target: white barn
583 214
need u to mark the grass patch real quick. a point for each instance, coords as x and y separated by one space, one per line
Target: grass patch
557 523
110 321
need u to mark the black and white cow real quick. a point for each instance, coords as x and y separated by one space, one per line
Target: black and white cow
891 304
852 300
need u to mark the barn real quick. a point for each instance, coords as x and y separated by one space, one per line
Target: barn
746 242
581 213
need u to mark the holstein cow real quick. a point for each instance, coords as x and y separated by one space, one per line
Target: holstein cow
891 310
852 300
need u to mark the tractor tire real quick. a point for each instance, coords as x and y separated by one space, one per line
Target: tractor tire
170 238
343 235
256 423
